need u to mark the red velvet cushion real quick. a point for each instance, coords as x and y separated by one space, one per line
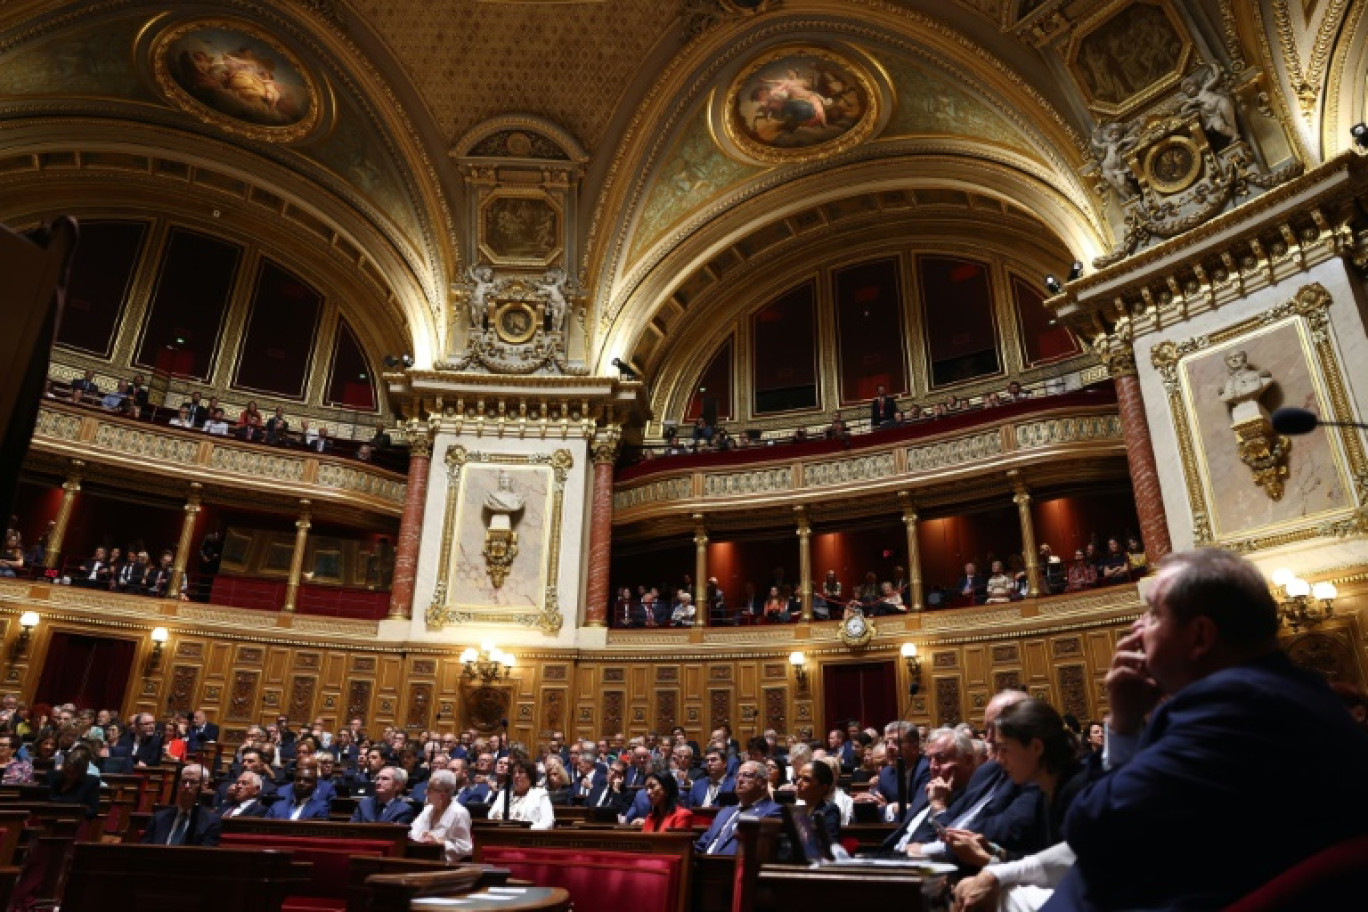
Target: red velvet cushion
597 881
1334 878
313 904
331 872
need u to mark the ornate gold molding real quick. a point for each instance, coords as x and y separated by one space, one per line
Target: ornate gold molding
547 618
1308 308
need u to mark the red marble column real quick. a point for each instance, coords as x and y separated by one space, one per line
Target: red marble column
1149 501
410 528
600 536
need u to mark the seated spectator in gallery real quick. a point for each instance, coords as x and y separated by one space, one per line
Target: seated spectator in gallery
182 419
702 433
198 413
381 439
85 390
139 399
882 408
776 607
1015 392
722 441
1052 570
114 399
322 443
94 573
973 586
160 578
1135 557
12 554
1082 573
890 601
1113 567
837 430
277 427
1000 586
365 453
914 413
685 612
251 423
216 425
624 609
800 435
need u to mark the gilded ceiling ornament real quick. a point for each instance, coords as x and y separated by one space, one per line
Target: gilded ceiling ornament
238 77
799 103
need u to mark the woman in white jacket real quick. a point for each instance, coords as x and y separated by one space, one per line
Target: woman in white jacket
444 821
527 801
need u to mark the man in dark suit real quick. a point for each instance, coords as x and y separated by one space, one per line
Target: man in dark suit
611 793
300 800
640 767
386 805
714 783
467 792
883 408
973 586
1180 819
202 731
991 804
752 795
901 739
589 774
187 822
244 797
951 766
143 743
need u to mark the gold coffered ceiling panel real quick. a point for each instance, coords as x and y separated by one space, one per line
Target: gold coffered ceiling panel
568 62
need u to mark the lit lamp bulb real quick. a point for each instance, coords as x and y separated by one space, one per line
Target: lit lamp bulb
507 660
797 659
1282 576
1326 592
1298 588
909 650
469 655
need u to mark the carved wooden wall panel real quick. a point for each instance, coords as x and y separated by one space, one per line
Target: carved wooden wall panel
242 702
667 710
182 695
302 691
1073 692
419 713
949 709
612 712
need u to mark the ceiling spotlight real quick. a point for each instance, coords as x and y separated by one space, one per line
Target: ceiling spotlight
1075 270
1360 133
1053 284
625 370
407 360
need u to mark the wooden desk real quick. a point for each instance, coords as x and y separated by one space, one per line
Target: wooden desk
783 888
175 878
507 899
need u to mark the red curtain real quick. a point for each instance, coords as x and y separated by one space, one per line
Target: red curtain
91 672
867 691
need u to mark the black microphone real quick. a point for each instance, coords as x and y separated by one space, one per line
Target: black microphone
1290 420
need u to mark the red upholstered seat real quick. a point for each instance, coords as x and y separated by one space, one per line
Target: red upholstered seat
598 881
331 859
1334 878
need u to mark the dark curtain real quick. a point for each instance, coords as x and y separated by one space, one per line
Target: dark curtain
91 672
867 691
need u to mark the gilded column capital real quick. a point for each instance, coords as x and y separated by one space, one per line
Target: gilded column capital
420 440
1118 356
605 446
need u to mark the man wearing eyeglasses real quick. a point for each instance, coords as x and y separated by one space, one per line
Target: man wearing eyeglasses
753 800
187 823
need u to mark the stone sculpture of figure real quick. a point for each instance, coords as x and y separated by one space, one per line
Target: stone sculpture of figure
554 289
482 278
1111 142
502 503
1212 103
1244 386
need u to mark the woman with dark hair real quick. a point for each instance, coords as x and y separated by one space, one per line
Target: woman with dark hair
665 812
775 775
526 801
1033 747
815 782
71 784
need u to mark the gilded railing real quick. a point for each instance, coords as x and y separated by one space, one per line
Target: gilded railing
106 442
1046 442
